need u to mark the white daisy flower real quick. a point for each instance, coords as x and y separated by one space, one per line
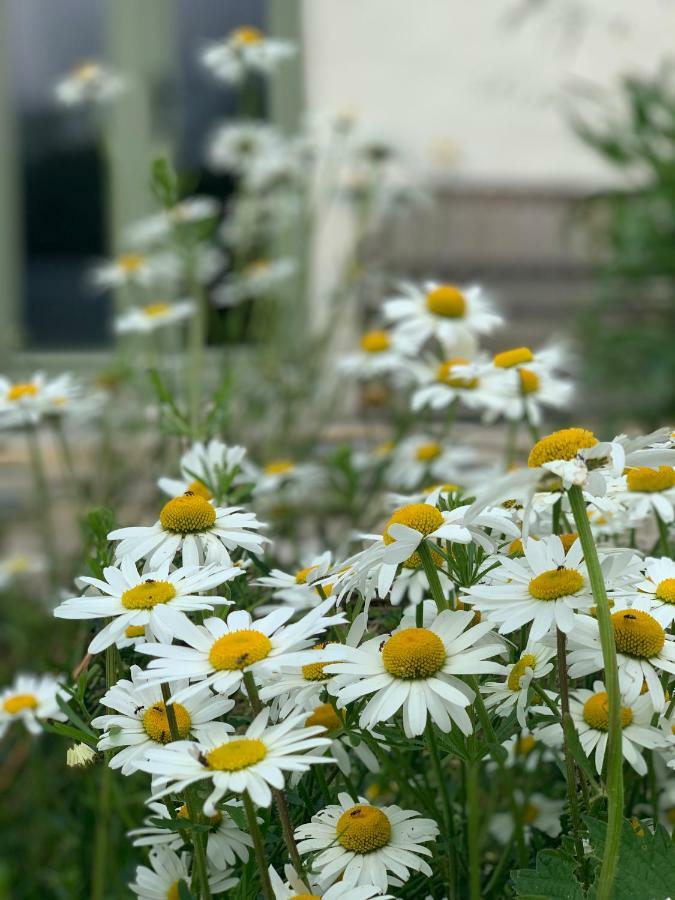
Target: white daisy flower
22 401
89 82
17 566
643 650
416 669
659 587
422 459
504 696
360 844
131 268
538 812
378 355
245 49
649 492
157 227
205 469
225 843
258 279
451 314
293 887
590 714
193 527
158 598
148 318
218 653
298 589
449 381
545 587
343 747
235 146
281 474
253 762
28 699
526 750
168 869
520 393
141 721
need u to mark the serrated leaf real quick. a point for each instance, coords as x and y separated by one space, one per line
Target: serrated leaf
646 866
553 879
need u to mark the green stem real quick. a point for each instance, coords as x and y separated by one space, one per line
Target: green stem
473 828
450 837
102 835
664 544
279 798
197 837
614 752
258 847
432 576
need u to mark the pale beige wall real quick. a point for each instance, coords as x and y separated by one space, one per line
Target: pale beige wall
431 73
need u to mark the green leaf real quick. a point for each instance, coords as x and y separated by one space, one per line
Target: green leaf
236 813
577 752
178 824
646 866
553 879
73 717
164 182
69 731
184 891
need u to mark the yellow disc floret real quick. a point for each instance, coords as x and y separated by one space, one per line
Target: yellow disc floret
444 374
236 755
413 653
134 631
279 467
187 514
156 722
637 633
239 649
446 301
21 390
644 480
315 671
148 594
130 263
529 381
665 590
302 574
564 444
530 813
19 702
420 516
525 745
427 452
556 583
596 712
156 309
375 342
174 891
246 34
507 359
200 490
325 716
527 661
363 828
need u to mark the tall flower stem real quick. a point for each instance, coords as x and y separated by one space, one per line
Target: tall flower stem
258 847
102 834
197 837
448 820
279 798
473 828
431 572
664 543
570 770
43 509
614 752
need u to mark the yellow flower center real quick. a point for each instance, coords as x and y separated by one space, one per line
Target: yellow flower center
306 897
447 301
637 633
174 892
445 376
236 755
363 828
156 722
239 649
564 444
156 309
528 661
130 263
375 342
596 712
302 574
19 702
644 480
148 594
530 813
420 516
507 359
279 467
568 539
516 548
86 71
555 583
427 452
315 671
21 390
525 745
325 716
200 489
187 514
666 590
246 34
413 653
529 381
133 631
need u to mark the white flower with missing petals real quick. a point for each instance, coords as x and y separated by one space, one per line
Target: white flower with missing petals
168 869
503 696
